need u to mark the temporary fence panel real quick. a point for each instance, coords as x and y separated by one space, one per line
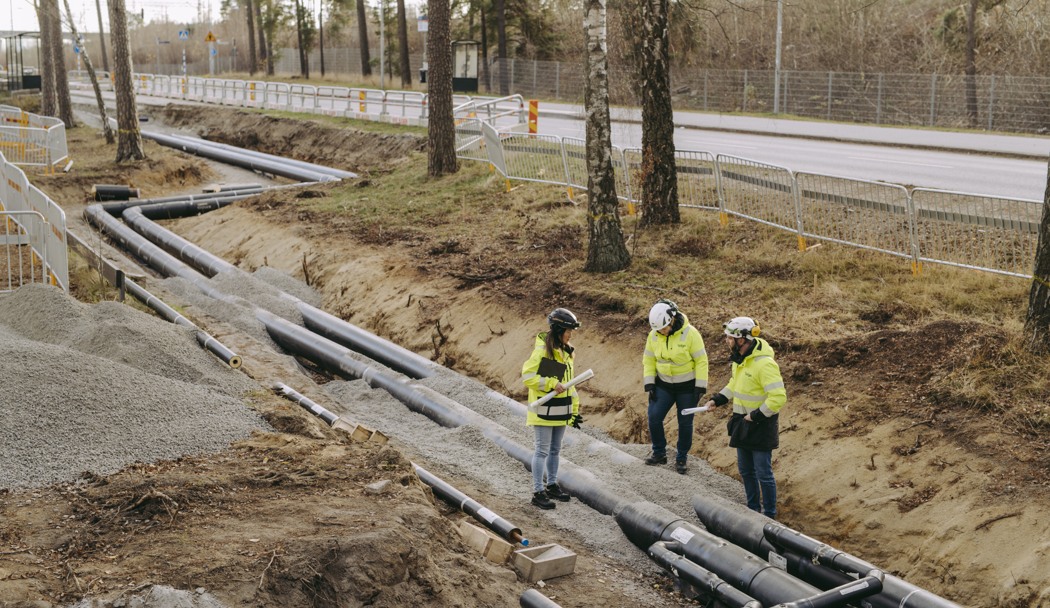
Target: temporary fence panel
405 107
367 104
494 148
575 154
277 96
533 158
757 191
254 94
19 264
21 200
332 101
865 214
470 143
697 180
973 231
302 98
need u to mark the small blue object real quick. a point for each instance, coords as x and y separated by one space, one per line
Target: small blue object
214 52
76 49
524 542
184 35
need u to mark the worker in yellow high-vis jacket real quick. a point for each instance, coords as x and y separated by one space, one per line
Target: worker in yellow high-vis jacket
674 373
757 393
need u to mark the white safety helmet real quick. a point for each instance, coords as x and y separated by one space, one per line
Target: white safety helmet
742 327
662 314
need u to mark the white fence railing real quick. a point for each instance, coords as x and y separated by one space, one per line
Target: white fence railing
33 233
28 139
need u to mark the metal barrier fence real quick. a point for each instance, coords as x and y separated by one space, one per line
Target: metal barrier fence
33 235
28 139
988 233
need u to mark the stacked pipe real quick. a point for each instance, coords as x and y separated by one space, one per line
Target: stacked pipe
471 507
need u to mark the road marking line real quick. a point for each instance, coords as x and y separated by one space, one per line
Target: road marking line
901 162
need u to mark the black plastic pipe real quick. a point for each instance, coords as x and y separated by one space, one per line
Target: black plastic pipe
807 558
355 431
471 507
339 173
273 167
107 192
116 208
646 524
534 599
846 594
669 555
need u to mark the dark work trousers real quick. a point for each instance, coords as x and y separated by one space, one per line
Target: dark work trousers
660 402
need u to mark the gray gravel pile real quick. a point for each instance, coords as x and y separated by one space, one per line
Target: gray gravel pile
99 387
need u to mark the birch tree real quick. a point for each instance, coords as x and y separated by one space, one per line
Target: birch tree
107 129
441 130
58 62
1037 322
606 250
129 138
659 174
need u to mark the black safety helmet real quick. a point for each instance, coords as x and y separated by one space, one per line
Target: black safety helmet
561 319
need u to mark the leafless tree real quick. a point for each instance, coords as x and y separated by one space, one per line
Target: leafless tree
101 36
65 103
441 131
253 57
107 129
129 138
659 174
1037 322
48 96
606 250
402 43
362 36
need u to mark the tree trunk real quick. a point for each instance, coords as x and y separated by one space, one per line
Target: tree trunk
485 51
101 37
971 63
253 58
304 59
129 139
501 47
1037 322
659 175
320 33
362 35
606 251
48 97
263 54
441 132
402 42
65 104
107 129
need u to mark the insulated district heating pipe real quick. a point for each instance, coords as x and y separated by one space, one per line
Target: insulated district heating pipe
316 320
115 208
274 167
534 599
806 558
471 507
339 173
640 521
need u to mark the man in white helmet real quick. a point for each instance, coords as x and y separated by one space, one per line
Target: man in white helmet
674 373
757 393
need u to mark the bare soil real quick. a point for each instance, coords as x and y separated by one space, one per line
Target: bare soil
877 457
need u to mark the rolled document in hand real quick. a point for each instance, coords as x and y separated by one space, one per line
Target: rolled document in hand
695 410
585 376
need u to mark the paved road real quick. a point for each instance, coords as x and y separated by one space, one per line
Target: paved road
1000 165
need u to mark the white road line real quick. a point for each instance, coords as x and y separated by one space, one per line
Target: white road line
901 162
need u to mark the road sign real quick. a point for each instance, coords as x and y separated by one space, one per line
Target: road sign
76 49
214 51
422 23
210 37
184 34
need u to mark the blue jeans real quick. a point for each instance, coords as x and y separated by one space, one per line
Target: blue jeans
756 469
545 458
660 402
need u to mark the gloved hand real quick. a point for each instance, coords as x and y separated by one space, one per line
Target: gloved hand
576 421
698 391
649 387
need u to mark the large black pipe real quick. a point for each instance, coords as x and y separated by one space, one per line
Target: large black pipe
471 507
669 555
534 599
116 208
273 167
339 173
646 524
807 558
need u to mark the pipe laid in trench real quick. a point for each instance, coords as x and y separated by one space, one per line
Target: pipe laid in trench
116 208
316 320
355 431
639 520
807 558
534 599
272 167
669 555
339 173
471 507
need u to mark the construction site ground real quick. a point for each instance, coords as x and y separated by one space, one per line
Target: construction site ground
915 434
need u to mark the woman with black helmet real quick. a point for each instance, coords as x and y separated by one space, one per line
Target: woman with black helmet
550 368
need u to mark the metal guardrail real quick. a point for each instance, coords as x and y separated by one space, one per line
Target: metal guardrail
34 232
987 233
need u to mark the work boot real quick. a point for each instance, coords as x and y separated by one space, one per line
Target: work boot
540 500
655 460
679 466
554 492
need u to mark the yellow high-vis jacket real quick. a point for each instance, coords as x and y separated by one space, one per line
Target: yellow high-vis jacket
675 359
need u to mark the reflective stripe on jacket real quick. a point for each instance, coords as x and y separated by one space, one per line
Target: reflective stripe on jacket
676 358
756 383
563 406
